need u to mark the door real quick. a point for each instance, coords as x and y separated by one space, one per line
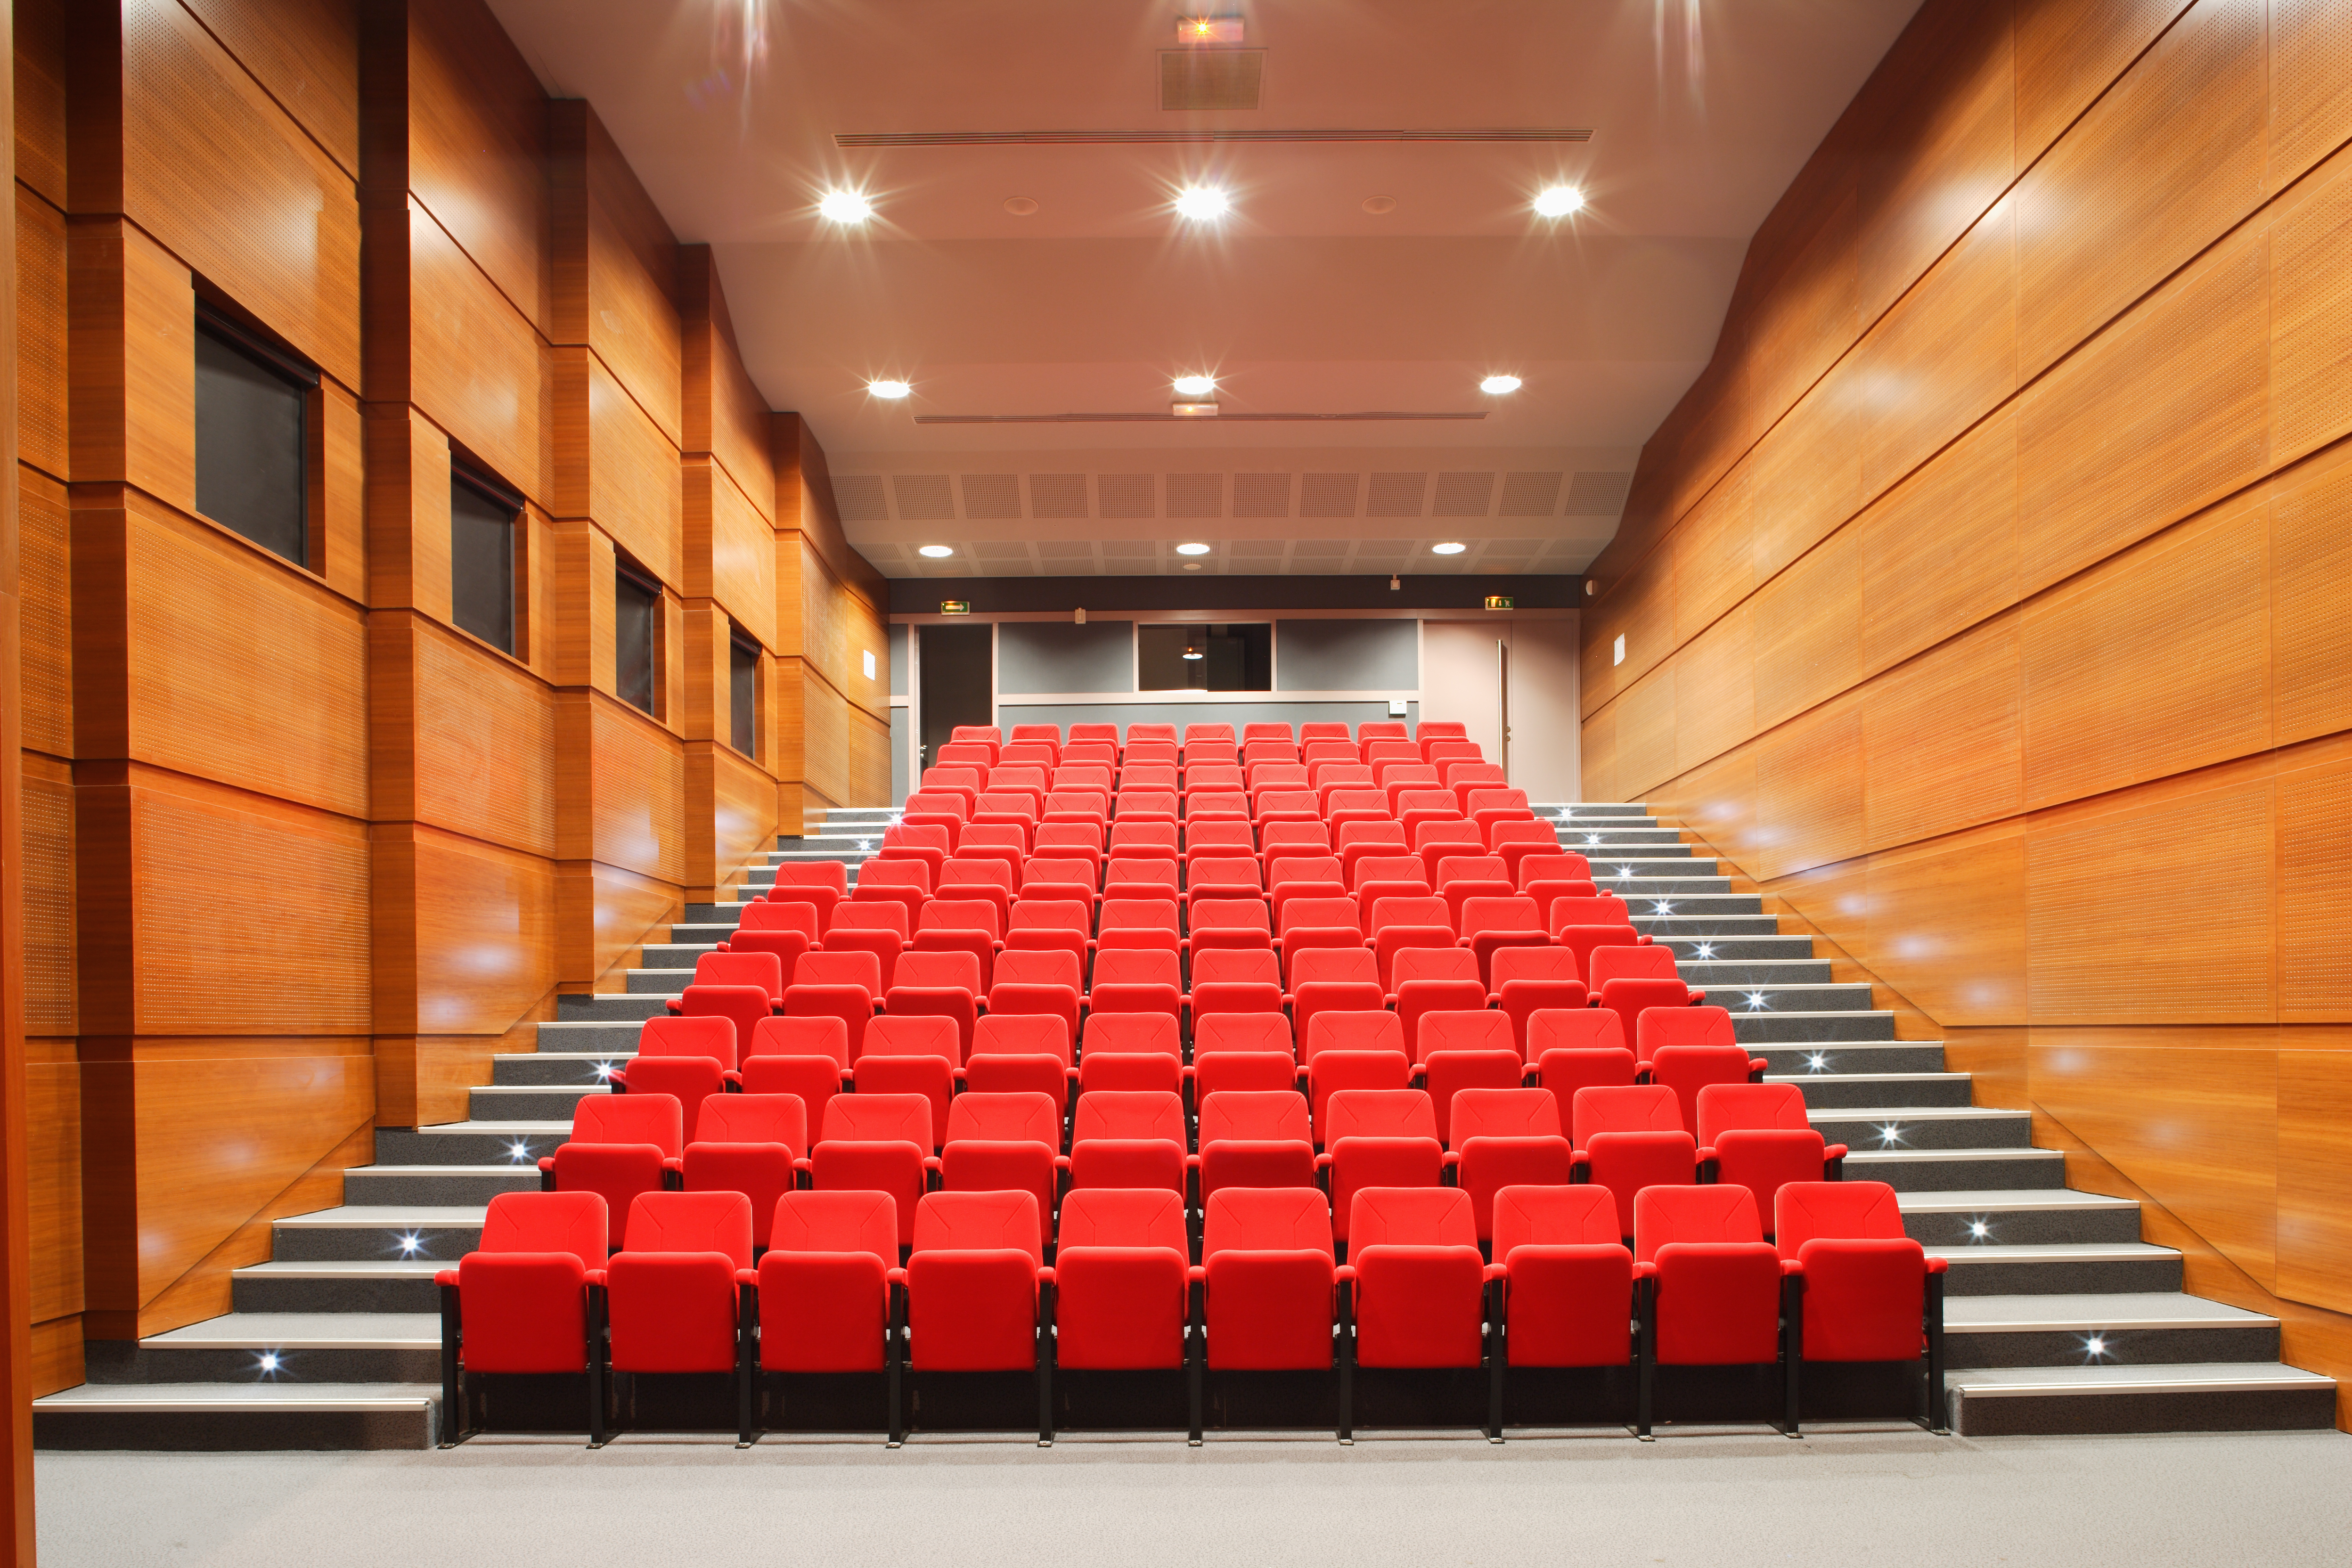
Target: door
1473 672
958 685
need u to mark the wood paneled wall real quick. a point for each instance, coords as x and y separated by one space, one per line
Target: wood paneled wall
830 610
1989 599
297 852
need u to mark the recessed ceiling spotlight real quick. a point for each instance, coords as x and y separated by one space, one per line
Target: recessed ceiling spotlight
1379 206
1191 550
937 552
1495 385
1020 206
1558 201
1191 566
1451 547
1202 203
844 207
888 388
1195 385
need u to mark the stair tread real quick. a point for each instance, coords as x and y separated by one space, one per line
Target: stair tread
290 1399
346 1269
2000 1198
407 1216
2052 1252
1890 1156
2154 1378
303 1331
2105 1309
1912 1113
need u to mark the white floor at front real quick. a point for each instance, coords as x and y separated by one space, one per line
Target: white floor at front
1889 1496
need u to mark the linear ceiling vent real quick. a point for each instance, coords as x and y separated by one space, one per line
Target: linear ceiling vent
1234 135
1210 79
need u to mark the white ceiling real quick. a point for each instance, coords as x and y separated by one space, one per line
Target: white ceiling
1300 301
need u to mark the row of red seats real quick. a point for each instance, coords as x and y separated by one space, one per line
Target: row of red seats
688 1293
1051 735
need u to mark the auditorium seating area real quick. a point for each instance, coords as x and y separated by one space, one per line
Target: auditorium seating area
1212 1079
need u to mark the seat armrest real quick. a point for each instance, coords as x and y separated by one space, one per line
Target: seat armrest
672 1162
446 1278
1833 1151
897 1277
1344 1274
734 1080
1642 1072
1937 1265
1645 1271
1579 1166
1757 1067
596 1279
1698 998
547 1165
1045 1274
748 1277
1449 1159
1194 1273
1322 1162
674 1006
1495 1271
1791 1268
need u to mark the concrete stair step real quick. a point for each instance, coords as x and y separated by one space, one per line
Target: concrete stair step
2052 1268
2015 1218
243 1416
336 1287
601 1037
1799 1059
403 1233
1825 1092
286 1347
723 917
607 1006
1945 1170
2134 1329
1832 1027
383 1186
678 956
553 1069
1762 949
2194 1396
517 1145
1688 925
1783 997
529 1102
1719 973
1971 1127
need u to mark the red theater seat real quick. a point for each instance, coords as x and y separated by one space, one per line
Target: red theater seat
1417 1283
824 1287
1757 1136
621 1145
1378 1138
1531 979
756 1144
1627 1138
1567 1283
1003 1142
1122 1295
1712 1293
1868 1292
805 1057
518 1302
1458 1050
1270 1298
703 1036
679 1294
1256 1140
1503 1138
1129 1137
976 1289
1627 980
876 1143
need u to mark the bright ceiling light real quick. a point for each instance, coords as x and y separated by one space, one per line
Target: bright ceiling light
1202 203
1558 201
937 552
1195 385
1191 550
1495 385
888 388
844 207
1450 547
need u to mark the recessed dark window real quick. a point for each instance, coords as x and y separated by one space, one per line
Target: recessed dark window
1205 657
744 696
482 558
636 634
252 438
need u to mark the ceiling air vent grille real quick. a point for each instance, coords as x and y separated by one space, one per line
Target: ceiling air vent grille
1530 495
1057 495
924 497
1127 495
992 497
1396 495
1598 494
1261 495
1329 495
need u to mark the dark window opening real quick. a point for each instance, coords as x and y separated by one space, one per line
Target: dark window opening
482 533
1238 658
636 634
744 696
253 438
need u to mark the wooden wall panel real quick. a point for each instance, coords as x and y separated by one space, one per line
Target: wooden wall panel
2170 157
744 820
46 618
1813 309
637 773
2152 421
1808 625
221 178
485 936
615 466
477 149
2153 663
2311 320
2314 1184
40 98
240 669
1943 927
870 759
305 56
824 619
2090 883
2311 93
1944 738
48 883
53 1161
724 414
1808 809
1944 355
1807 476
294 958
1708 558
616 264
825 739
742 548
2311 635
1598 753
864 631
1714 695
477 369
1939 553
2315 846
485 745
133 414
2069 51
40 334
1645 734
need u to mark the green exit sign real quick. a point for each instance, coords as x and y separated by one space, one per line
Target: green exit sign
955 606
1498 601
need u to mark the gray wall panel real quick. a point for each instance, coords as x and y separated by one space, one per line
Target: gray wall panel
1347 656
899 659
1182 714
898 749
1062 656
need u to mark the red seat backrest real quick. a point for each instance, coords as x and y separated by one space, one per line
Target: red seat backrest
1483 1030
575 1223
976 874
1374 868
824 1037
1583 1216
1022 1034
755 1118
840 969
1231 914
1409 1217
879 1118
1560 868
951 970
1223 871
1129 1034
1304 869
710 1034
1268 1220
1655 962
1500 914
1258 1115
1659 1026
877 914
814 874
1636 1108
1042 966
880 873
836 1222
1574 1029
1047 914
762 969
1811 1211
772 914
1135 871
1234 965
1128 1113
1437 963
1137 966
959 914
1471 869
1751 1107
1410 912
1016 1117
1665 1215
656 1118
1538 963
1380 1114
1600 909
1124 1216
971 1221
1241 1032
1338 964
691 1221
1502 1113
917 1034
1140 914
1367 1031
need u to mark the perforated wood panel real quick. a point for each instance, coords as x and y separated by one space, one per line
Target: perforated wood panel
1810 313
1809 629
638 773
1715 696
1943 931
1054 495
1808 791
45 591
1940 551
632 490
1646 732
2311 85
2158 417
1396 495
1807 472
2091 882
1710 557
49 899
40 334
2153 663
1944 740
298 881
2314 847
477 368
1329 495
2159 167
305 56
478 148
1122 495
924 497
1944 355
1261 495
1196 495
242 672
742 560
2068 53
484 744
2311 637
2314 1189
2311 323
992 497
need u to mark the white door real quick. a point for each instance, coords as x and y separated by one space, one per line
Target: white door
1466 666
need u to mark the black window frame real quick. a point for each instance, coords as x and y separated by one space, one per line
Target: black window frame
740 716
1219 651
465 475
625 574
303 379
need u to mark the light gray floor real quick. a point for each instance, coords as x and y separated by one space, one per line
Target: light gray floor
1888 1497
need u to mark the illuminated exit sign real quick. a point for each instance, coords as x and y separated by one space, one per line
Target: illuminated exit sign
1498 601
955 606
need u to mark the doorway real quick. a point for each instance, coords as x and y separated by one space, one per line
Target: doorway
1474 672
957 686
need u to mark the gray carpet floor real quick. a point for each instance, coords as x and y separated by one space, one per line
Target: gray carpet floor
1891 1497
